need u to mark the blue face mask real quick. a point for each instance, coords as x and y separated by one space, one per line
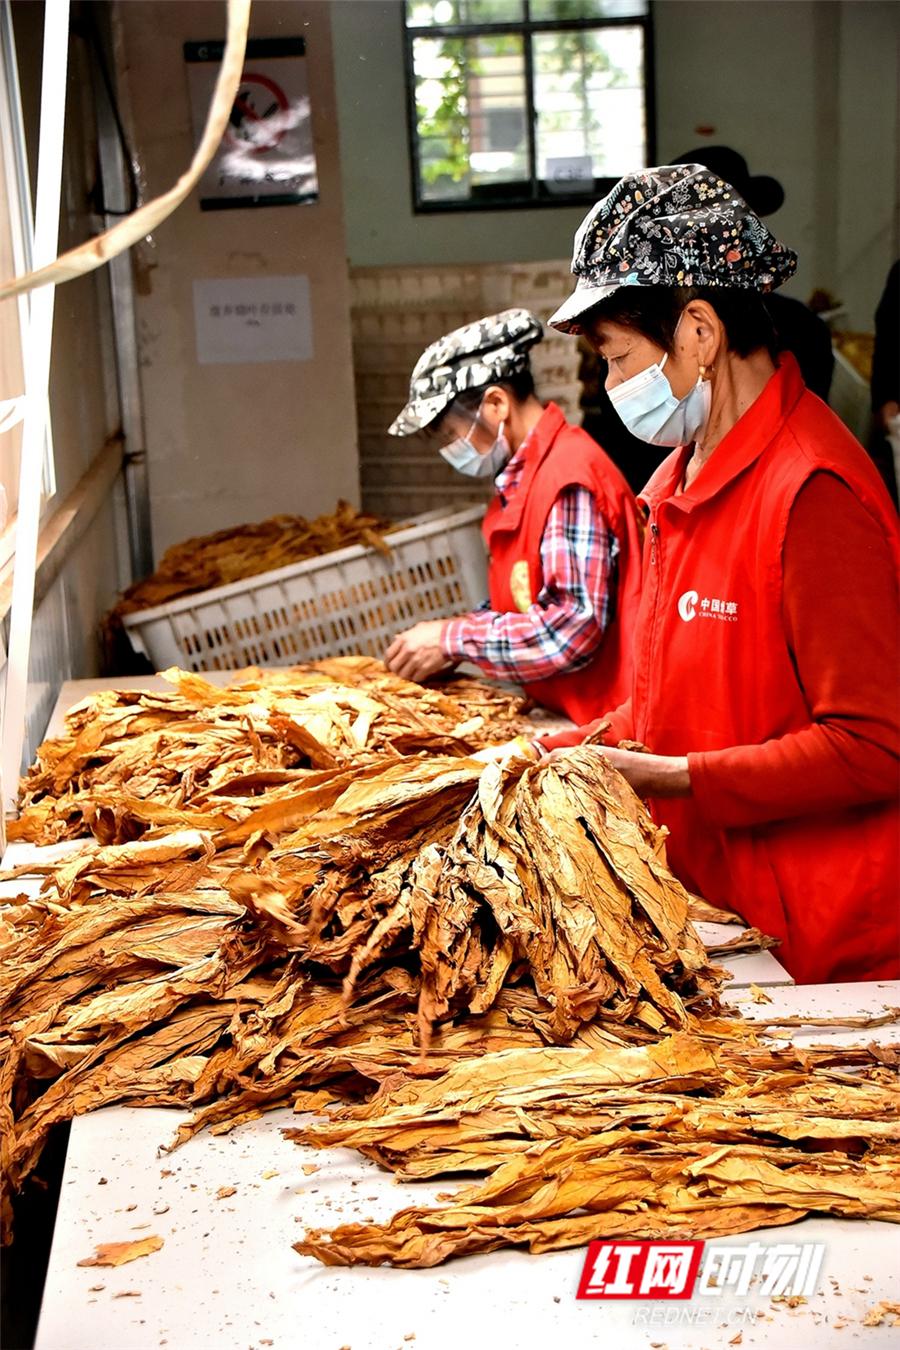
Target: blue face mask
467 459
650 410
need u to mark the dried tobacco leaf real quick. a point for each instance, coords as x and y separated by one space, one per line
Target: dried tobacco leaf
879 1314
673 1140
247 550
252 928
120 1253
208 758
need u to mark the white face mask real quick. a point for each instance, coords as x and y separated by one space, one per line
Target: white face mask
467 459
650 410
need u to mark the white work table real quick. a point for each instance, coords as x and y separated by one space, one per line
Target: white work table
227 1277
870 999
745 968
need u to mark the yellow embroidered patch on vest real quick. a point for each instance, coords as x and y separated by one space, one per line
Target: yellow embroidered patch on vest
520 586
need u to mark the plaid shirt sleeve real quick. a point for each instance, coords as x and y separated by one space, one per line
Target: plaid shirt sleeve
564 626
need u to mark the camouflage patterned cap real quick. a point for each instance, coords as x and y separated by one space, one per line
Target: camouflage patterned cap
480 353
678 225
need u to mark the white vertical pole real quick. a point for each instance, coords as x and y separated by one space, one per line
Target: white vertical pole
38 338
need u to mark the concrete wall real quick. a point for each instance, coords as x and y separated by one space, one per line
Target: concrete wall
805 89
234 443
866 184
746 69
381 227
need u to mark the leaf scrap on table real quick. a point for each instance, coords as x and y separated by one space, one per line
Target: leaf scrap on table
120 1253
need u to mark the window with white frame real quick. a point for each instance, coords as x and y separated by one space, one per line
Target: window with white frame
526 102
16 235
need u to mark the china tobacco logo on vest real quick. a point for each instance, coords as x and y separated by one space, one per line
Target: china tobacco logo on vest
690 606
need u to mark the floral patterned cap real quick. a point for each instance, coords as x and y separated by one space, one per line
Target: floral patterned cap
678 225
480 353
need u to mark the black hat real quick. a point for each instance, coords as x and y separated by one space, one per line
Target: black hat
761 193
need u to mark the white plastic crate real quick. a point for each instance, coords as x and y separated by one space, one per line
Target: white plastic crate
344 603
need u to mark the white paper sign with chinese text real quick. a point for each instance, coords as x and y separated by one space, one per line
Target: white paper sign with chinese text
251 319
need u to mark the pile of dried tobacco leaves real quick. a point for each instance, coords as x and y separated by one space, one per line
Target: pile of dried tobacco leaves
247 550
682 1138
236 554
303 889
304 879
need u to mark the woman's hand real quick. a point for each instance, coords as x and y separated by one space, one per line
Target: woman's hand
649 775
417 654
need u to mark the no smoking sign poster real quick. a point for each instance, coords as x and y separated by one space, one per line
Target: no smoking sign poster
266 157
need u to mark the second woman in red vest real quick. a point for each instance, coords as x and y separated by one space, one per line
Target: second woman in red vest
562 528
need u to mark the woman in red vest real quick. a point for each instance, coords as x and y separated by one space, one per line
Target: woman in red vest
766 658
562 528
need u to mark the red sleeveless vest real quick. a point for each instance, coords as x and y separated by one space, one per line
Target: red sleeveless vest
713 670
560 456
